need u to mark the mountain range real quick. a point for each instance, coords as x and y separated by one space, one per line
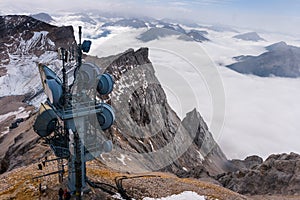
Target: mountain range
280 60
141 104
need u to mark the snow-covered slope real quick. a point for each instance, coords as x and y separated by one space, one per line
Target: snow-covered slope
27 42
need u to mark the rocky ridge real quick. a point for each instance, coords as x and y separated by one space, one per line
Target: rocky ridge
278 174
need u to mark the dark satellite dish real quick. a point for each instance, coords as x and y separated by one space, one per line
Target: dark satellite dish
86 45
106 116
45 122
52 85
105 84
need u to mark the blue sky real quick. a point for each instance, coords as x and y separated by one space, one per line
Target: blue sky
270 15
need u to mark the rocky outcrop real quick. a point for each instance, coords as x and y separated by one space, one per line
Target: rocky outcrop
281 60
249 163
204 153
278 174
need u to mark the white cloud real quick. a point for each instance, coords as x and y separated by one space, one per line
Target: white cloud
207 11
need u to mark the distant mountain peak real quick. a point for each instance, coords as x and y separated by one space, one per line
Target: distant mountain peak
281 60
277 46
250 36
44 17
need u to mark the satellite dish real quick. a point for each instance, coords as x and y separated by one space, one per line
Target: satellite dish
106 116
54 91
105 84
45 122
52 85
86 45
107 146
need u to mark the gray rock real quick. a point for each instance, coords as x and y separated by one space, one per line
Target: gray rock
249 163
279 174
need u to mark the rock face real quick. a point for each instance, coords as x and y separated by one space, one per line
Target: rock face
251 36
279 174
147 132
281 60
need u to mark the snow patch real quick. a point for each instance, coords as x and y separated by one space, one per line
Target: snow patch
5 132
152 148
118 196
19 114
23 115
140 141
200 155
122 159
187 195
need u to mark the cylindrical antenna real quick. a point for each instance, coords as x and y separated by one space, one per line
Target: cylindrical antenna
64 72
80 34
79 49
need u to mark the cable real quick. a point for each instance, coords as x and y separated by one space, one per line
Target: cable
119 185
103 186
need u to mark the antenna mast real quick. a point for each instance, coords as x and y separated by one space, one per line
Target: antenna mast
71 142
